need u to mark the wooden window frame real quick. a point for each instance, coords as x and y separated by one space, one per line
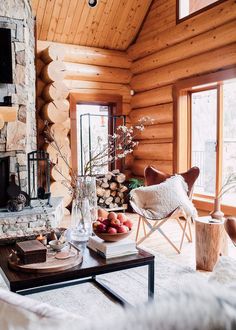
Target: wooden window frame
219 132
179 20
115 101
182 127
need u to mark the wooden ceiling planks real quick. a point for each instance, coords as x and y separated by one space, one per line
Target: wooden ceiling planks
112 24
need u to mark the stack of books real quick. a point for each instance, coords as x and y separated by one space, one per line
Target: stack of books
109 250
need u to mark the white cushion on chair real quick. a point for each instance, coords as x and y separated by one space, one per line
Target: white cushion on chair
159 200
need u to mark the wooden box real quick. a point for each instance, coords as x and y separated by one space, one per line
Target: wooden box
31 252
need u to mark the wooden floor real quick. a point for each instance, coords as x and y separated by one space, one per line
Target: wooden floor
157 243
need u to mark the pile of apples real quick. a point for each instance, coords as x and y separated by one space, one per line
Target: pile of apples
115 223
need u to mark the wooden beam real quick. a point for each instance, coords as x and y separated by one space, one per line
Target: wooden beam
152 97
158 114
199 64
76 71
163 151
160 131
90 55
139 166
215 38
7 114
203 22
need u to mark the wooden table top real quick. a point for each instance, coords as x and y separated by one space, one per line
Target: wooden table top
92 264
208 220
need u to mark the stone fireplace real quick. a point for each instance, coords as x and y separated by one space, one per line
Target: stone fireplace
19 137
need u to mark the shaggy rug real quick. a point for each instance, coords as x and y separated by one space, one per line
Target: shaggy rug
88 301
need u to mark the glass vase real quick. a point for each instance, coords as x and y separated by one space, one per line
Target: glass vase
84 209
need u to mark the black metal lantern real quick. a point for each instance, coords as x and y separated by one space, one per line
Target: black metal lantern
39 175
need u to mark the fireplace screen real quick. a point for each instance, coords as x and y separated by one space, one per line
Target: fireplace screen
4 180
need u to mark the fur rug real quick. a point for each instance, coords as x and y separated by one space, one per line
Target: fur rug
88 301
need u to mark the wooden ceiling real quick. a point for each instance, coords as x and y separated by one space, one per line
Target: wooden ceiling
112 24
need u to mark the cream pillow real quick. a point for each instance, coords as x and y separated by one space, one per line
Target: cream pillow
158 201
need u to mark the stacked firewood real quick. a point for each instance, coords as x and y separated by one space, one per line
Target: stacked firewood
111 190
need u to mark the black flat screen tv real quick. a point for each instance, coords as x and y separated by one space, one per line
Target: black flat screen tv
5 56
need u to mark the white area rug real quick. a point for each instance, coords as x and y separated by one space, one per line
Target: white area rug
86 300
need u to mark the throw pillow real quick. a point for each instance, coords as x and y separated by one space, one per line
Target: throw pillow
159 201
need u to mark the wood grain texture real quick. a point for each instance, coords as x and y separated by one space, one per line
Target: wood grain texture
139 166
211 243
112 24
152 97
163 151
158 114
196 65
216 16
84 55
215 38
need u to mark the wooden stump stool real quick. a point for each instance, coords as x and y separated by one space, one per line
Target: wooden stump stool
211 242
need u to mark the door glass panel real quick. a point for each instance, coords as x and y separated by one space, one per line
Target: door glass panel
229 138
204 129
92 134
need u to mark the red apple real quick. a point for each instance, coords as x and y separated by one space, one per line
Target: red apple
128 223
115 223
111 230
101 228
106 222
121 217
123 229
95 224
112 216
100 219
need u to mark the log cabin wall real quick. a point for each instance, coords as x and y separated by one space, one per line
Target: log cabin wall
64 69
166 52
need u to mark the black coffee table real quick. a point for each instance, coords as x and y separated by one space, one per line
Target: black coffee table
92 265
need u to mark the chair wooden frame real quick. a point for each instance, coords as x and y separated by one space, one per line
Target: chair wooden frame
178 214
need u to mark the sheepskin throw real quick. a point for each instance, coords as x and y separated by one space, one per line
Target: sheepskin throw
158 201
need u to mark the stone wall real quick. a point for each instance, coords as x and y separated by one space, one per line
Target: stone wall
18 138
31 220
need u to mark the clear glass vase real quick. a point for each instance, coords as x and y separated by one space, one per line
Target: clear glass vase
84 209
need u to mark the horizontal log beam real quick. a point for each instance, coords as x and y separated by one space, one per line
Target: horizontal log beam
203 22
220 58
152 97
139 166
90 55
216 38
158 114
125 97
163 151
162 131
75 71
74 84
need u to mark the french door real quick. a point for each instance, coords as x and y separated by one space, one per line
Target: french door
213 137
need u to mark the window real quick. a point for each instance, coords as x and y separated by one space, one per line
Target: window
188 8
213 137
92 129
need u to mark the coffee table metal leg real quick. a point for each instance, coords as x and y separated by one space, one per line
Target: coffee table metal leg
101 285
151 277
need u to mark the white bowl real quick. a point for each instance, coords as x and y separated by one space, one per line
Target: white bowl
57 245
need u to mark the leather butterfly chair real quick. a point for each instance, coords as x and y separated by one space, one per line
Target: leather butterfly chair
153 176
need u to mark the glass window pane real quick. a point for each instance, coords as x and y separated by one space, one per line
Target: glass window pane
204 128
229 137
188 7
93 123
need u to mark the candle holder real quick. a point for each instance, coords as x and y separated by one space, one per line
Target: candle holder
42 239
